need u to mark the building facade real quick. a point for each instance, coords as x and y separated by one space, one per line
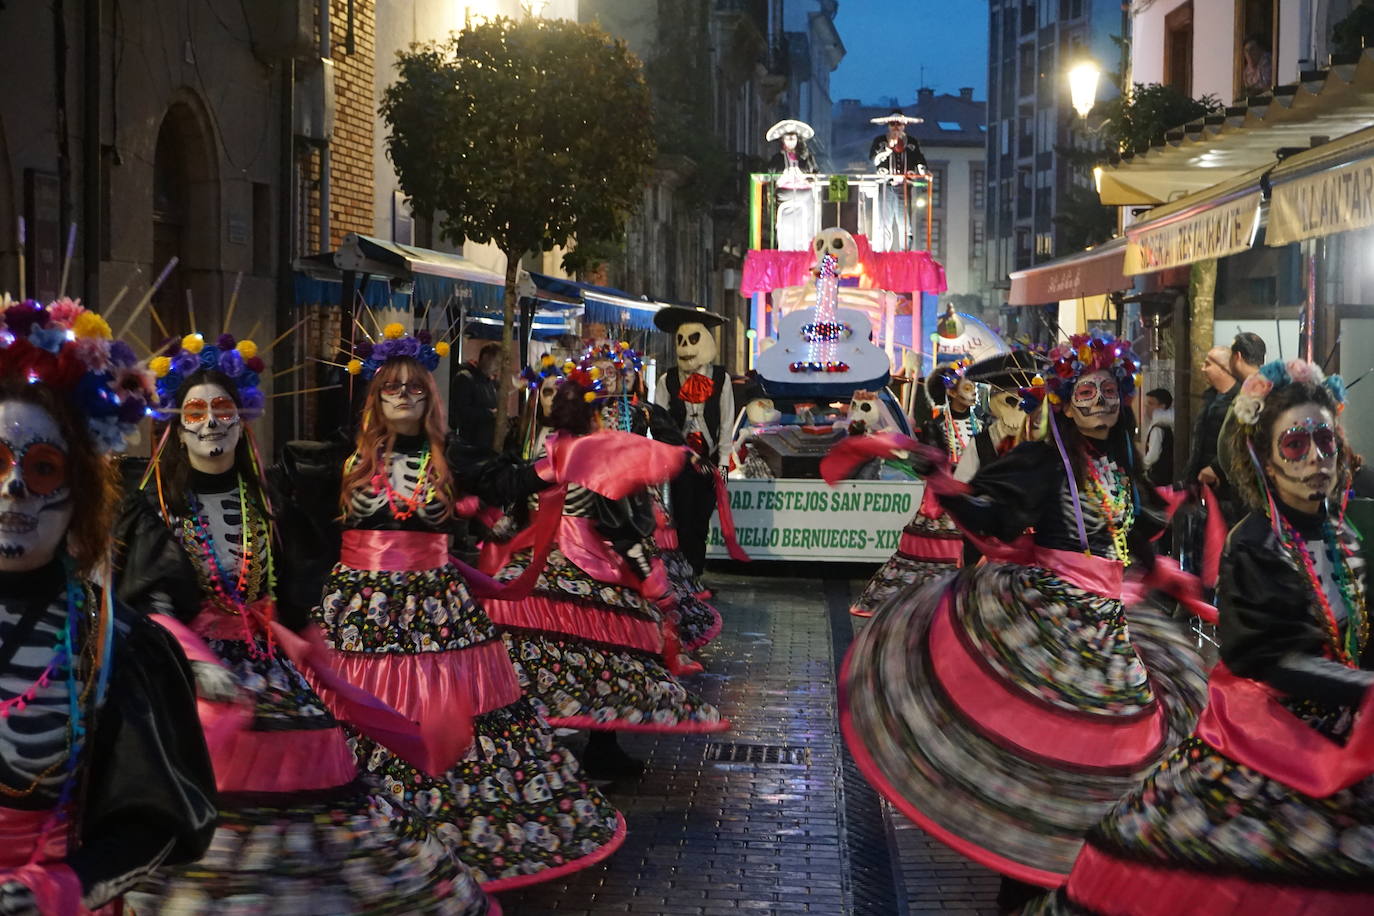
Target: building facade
814 49
1031 46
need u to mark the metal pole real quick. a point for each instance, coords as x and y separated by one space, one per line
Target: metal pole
326 243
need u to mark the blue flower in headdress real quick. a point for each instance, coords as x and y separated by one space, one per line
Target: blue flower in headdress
122 355
209 357
95 396
252 401
1276 372
1336 385
230 363
50 338
249 379
185 364
428 358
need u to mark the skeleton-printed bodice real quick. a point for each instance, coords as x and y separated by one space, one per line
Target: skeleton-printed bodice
34 739
1100 517
372 504
215 506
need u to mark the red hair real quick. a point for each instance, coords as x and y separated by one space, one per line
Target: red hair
376 438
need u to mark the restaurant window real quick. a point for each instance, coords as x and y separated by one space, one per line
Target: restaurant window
1178 49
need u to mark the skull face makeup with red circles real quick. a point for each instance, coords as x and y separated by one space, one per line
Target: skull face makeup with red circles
35 487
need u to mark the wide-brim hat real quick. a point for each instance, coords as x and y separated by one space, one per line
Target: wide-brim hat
671 317
790 126
1007 370
897 117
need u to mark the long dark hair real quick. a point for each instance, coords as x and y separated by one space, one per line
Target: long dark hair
176 464
571 411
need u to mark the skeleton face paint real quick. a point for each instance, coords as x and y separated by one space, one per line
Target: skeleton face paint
547 389
695 346
35 487
1095 404
963 395
610 376
210 428
1302 456
403 402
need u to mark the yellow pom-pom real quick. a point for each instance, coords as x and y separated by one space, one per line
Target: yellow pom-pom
89 324
569 366
1054 398
546 359
247 349
442 348
594 372
1038 381
354 367
394 331
193 343
623 345
589 396
159 366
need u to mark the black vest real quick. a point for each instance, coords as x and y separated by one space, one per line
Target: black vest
678 407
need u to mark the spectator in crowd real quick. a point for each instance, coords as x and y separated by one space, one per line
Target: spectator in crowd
1247 355
1222 387
1159 437
472 402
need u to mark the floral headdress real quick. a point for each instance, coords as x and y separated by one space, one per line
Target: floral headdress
236 359
1095 351
1249 403
548 369
621 356
589 380
71 350
368 356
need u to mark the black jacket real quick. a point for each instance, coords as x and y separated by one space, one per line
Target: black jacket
472 405
1206 431
1270 630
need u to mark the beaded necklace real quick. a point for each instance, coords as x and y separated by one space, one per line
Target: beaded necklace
1113 499
257 548
404 507
1348 648
954 434
64 656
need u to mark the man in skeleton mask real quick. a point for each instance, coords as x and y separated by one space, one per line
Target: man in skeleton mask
698 395
1005 375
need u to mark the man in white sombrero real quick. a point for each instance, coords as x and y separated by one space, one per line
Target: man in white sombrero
792 163
895 153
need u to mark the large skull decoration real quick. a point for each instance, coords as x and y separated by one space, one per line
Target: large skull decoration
1007 415
696 346
866 414
839 243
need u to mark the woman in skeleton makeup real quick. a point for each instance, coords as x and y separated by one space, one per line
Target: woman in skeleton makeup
1268 807
1007 708
400 623
296 824
595 641
931 544
625 406
104 774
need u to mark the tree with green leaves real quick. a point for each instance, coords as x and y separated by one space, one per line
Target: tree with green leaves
527 133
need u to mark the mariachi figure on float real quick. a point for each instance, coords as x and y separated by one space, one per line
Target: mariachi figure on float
699 396
1006 707
104 773
794 165
931 544
1268 807
199 548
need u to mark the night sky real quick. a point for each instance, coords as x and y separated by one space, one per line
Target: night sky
887 42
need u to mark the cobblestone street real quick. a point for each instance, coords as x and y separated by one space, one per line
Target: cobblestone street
772 816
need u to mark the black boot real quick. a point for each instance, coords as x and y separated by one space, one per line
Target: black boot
605 759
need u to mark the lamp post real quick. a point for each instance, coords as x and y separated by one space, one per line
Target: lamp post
1083 79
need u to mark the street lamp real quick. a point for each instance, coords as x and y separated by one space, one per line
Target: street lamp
1083 86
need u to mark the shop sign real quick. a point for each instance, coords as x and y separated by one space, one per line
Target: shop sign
1337 200
1214 233
809 520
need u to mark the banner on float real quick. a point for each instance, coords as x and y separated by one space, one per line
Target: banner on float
1339 200
859 520
1216 232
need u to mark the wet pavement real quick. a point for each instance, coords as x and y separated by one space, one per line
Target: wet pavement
770 817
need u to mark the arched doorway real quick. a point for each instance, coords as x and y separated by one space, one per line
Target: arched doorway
186 222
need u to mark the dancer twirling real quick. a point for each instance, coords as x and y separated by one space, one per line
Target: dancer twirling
1006 708
402 624
931 544
590 640
298 831
1268 807
104 774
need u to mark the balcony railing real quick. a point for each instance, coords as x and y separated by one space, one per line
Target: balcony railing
862 212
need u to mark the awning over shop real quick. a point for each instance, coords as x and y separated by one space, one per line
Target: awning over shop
438 277
1324 190
1219 221
1323 103
1091 273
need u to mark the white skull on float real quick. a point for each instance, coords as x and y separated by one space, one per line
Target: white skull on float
839 243
695 346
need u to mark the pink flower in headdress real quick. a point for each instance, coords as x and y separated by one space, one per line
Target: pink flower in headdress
65 311
1257 386
1301 371
94 352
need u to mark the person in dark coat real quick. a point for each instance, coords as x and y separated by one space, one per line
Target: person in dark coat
473 400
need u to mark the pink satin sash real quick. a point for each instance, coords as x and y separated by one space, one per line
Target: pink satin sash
851 453
613 463
1245 721
1091 573
32 852
394 551
727 519
1002 711
442 690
